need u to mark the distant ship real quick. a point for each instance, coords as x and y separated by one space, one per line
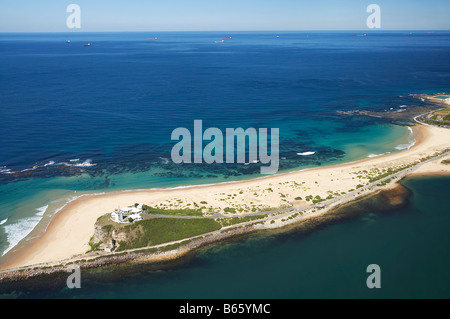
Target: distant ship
229 38
361 35
152 39
221 41
68 41
87 45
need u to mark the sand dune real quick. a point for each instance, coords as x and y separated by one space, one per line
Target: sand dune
72 227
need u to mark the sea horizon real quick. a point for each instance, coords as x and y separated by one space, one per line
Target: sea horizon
238 31
80 120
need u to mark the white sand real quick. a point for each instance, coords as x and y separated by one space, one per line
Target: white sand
70 230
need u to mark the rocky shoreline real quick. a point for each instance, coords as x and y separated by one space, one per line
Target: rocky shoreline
393 197
405 114
143 256
428 140
133 257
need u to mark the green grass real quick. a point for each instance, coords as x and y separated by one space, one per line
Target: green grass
433 122
238 220
182 212
157 231
93 246
107 228
229 210
385 182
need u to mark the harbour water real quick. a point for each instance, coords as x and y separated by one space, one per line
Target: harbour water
76 120
327 259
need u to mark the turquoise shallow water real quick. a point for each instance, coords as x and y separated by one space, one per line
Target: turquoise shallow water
443 97
77 120
410 244
25 204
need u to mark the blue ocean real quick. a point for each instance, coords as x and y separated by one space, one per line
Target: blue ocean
79 119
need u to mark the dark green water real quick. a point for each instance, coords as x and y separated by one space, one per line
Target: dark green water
411 244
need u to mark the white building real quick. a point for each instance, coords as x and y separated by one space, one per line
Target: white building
121 215
117 216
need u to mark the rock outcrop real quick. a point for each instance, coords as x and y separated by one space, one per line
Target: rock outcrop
108 238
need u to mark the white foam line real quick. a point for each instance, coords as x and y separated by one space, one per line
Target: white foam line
410 144
374 155
5 170
48 164
17 231
86 163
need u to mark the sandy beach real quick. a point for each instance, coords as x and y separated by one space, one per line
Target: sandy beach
71 228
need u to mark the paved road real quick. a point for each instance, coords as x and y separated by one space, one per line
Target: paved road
349 196
287 211
219 215
416 118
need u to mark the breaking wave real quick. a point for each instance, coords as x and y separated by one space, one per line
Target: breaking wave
17 231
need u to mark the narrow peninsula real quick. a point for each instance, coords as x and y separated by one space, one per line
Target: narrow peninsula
161 224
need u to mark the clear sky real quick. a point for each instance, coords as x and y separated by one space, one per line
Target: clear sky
226 15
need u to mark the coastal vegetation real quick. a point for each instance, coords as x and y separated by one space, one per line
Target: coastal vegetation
385 182
182 212
229 210
189 217
94 246
157 231
440 117
238 220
